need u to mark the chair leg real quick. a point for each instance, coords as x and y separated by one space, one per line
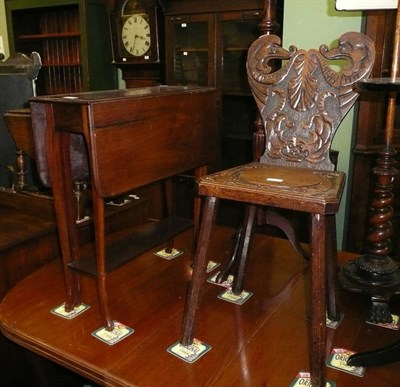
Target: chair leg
199 271
231 267
265 216
318 300
198 173
238 258
331 269
251 211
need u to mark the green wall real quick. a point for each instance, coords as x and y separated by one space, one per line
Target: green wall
308 24
3 27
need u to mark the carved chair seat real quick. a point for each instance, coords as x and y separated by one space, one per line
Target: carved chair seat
301 106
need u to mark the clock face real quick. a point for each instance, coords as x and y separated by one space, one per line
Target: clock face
136 35
134 32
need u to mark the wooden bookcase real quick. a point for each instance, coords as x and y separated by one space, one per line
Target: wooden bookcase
72 38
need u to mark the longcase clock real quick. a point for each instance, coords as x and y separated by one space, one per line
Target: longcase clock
135 41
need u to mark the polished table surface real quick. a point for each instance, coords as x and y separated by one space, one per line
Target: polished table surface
262 342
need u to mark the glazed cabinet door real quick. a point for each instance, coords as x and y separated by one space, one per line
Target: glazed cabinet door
238 30
190 57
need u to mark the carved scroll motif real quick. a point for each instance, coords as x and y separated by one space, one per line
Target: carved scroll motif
304 101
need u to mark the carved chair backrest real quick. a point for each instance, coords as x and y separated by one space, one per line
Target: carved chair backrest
302 103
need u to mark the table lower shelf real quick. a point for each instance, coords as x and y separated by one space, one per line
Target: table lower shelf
144 238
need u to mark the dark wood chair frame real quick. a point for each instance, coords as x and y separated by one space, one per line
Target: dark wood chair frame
301 106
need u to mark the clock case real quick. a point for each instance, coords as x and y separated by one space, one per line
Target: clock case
122 11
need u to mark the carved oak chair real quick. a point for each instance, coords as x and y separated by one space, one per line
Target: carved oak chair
301 105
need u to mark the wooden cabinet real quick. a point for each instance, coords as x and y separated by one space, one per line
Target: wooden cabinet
369 137
206 44
72 38
190 54
238 107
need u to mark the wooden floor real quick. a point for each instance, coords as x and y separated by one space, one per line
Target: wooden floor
260 343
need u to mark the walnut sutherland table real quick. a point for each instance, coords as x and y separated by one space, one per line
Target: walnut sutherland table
131 138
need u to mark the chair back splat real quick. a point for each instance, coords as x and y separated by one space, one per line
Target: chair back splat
303 103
